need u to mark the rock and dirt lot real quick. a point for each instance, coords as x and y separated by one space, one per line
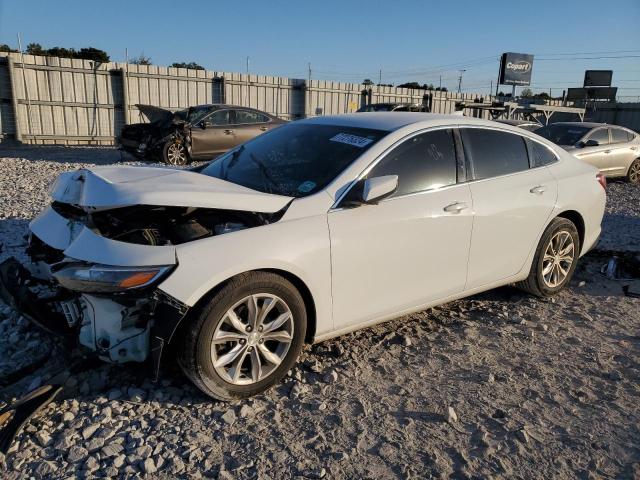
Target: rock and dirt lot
500 385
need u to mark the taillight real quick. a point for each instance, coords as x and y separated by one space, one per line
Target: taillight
602 180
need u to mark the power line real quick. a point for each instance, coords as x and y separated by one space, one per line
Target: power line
585 58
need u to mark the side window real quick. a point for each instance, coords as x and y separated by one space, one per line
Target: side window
619 136
245 116
493 153
540 155
423 162
601 136
220 117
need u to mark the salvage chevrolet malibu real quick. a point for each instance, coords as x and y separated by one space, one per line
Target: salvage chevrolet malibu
317 228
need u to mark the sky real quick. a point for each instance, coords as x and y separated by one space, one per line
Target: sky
348 41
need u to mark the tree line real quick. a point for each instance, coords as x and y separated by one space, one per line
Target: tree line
90 53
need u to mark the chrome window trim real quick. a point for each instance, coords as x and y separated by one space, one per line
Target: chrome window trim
524 134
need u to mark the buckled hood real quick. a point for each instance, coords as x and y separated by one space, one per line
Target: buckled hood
111 187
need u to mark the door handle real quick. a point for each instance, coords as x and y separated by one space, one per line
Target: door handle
455 207
607 151
539 190
228 131
264 128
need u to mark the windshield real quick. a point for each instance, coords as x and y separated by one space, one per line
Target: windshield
294 160
563 134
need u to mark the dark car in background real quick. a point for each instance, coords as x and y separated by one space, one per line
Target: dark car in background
614 150
196 133
394 107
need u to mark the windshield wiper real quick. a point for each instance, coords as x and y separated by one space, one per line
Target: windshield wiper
232 161
265 172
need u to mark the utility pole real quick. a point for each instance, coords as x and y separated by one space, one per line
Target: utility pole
440 83
491 88
247 92
380 78
26 88
460 81
309 90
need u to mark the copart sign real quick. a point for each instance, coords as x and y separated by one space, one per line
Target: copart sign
515 68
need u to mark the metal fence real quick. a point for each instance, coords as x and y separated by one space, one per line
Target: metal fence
49 100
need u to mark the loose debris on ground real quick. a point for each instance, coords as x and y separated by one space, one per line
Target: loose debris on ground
500 385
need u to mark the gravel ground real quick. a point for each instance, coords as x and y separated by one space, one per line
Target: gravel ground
500 385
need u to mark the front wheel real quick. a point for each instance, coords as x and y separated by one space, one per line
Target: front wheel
175 153
633 175
555 259
246 338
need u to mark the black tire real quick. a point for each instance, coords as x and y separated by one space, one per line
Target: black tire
175 153
633 175
194 349
535 283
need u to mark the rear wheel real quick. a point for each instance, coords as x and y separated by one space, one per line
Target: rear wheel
175 153
247 337
555 259
633 175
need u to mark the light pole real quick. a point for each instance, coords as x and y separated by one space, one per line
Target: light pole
460 81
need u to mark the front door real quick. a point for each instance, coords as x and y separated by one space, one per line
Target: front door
597 155
213 135
411 248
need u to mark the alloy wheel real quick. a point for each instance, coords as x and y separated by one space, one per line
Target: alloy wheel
176 154
558 258
252 339
634 172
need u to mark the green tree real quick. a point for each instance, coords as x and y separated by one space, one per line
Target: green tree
95 54
35 49
190 65
60 52
526 93
141 60
6 48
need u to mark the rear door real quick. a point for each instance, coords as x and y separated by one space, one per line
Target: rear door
250 123
623 151
212 135
512 201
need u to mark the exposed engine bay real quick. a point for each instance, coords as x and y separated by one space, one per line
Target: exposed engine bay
100 250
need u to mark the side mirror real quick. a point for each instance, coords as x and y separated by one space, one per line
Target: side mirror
591 143
370 191
205 124
377 188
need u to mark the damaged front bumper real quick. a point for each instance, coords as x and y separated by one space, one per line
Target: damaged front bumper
130 327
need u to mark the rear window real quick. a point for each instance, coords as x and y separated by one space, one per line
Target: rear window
493 153
540 154
619 136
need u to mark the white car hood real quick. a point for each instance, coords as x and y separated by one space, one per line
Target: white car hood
111 187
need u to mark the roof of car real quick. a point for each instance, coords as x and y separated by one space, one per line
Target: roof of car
581 124
512 121
394 120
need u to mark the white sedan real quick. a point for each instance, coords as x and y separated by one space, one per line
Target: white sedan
318 228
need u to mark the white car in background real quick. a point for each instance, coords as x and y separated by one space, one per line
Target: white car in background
318 228
614 150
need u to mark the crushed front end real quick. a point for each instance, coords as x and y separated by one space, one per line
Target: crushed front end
100 251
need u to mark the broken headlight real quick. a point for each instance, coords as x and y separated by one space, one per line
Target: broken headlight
108 279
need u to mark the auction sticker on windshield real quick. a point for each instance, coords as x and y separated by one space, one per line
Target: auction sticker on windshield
353 140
